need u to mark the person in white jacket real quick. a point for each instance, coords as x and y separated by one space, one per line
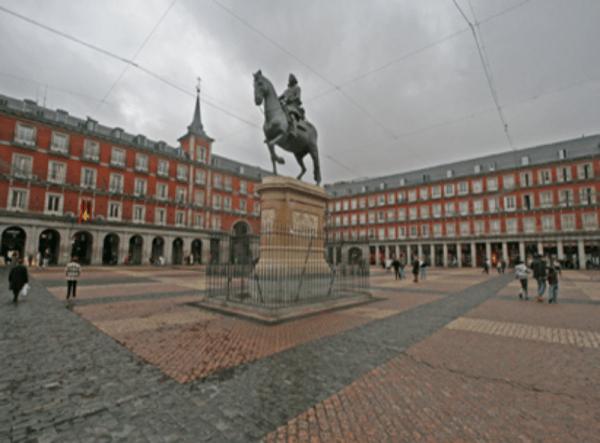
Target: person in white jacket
521 274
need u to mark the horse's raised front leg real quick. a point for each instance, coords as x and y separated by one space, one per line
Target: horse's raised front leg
271 144
300 159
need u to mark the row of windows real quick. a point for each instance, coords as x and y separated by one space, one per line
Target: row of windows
587 196
57 173
547 176
18 200
478 227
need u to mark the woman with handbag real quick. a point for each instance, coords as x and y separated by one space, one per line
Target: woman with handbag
17 278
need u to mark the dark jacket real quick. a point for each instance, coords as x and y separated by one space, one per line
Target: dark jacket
416 266
552 276
17 277
539 268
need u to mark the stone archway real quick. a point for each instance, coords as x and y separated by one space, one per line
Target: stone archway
136 243
110 249
158 253
81 247
13 241
177 251
197 251
49 245
239 246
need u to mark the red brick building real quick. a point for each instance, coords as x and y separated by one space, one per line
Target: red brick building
73 186
541 199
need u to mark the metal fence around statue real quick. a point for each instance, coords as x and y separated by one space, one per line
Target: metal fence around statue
291 269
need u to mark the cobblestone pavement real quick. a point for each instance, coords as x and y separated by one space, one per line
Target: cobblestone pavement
450 358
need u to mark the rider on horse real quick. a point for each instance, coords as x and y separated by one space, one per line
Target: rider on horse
290 99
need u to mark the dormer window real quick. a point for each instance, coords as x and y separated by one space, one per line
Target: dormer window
61 116
525 160
402 182
449 173
117 133
562 154
91 124
141 140
492 166
425 178
477 169
381 186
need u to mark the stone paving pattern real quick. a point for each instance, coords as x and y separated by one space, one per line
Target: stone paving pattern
429 362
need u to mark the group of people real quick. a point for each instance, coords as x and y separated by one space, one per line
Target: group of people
419 265
500 266
545 274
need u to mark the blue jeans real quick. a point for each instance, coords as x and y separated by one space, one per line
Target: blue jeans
402 274
553 292
541 287
423 273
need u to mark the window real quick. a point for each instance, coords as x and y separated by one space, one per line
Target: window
547 223
565 197
402 182
22 165
412 213
449 190
217 181
116 183
477 169
391 214
162 191
437 210
424 230
478 227
424 193
371 202
198 221
354 219
382 186
449 173
381 200
590 221
139 214
25 134
525 160
117 157
114 211
463 207
492 166
391 232
477 186
424 211
563 174
494 226
493 205
412 195
584 171
59 143
200 154
526 179
437 230
402 214
401 232
510 203
449 209
371 217
463 188
163 168
529 225
91 150
508 181
401 196
182 172
227 203
160 216
353 203
88 178
492 184
567 222
391 199
228 184
362 203
528 201
19 199
478 206
216 201
180 218
256 208
54 204
243 206
465 228
587 196
545 176
546 200
512 226
345 205
362 218
141 162
381 216
199 198
425 178
338 206
57 172
140 186
216 223
243 187
181 195
413 231
450 229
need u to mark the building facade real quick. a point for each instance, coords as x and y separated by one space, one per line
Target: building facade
70 186
511 205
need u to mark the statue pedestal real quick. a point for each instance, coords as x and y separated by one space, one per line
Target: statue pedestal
291 240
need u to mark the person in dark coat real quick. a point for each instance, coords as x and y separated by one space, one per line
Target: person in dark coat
539 273
17 278
416 266
396 266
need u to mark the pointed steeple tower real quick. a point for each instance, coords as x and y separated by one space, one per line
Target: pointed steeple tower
196 136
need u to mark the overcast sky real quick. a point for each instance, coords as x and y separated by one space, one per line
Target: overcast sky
391 86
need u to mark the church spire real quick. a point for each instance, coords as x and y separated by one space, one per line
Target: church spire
196 127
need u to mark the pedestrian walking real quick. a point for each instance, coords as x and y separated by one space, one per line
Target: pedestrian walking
539 273
423 267
499 266
38 260
72 272
17 279
503 265
416 265
402 265
486 266
553 285
388 265
396 266
521 274
46 258
557 266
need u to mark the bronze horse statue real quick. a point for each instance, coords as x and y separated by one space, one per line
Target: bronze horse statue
277 126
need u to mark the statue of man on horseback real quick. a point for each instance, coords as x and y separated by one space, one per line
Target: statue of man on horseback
285 125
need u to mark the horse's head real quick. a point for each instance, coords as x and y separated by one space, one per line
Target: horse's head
259 88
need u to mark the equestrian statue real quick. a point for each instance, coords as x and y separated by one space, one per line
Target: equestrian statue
285 125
